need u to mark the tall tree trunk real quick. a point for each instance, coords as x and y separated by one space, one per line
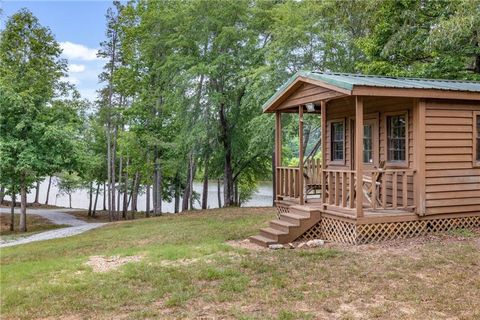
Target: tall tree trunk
2 194
110 156
23 204
90 199
227 148
306 137
120 165
187 192
70 200
125 203
12 212
237 195
48 189
219 194
113 188
125 193
155 181
147 202
109 171
192 178
134 194
37 192
130 198
205 185
154 192
136 187
177 194
96 199
228 180
104 196
159 183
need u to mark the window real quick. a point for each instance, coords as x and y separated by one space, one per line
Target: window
478 137
397 138
337 134
368 143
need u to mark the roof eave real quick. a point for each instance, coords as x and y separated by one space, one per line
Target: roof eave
415 93
307 77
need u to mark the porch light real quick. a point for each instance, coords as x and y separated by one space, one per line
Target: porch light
310 107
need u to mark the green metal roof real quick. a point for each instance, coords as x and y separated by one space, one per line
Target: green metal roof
348 80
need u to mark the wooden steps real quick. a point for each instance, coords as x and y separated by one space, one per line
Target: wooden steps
289 227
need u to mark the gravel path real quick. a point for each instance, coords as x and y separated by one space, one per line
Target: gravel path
57 216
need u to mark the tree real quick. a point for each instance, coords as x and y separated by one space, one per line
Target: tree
68 183
434 39
109 100
30 73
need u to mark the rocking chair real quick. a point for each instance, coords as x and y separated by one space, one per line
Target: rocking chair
369 183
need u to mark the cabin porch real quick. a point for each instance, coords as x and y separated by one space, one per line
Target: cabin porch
357 139
383 192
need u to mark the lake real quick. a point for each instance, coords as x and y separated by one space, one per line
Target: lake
262 197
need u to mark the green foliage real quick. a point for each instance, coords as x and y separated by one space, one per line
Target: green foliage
184 82
68 182
30 71
436 39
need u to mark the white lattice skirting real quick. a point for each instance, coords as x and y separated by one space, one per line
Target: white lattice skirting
346 232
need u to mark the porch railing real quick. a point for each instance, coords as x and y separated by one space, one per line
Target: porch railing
381 189
288 182
394 189
340 188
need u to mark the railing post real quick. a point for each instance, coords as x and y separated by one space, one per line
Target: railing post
278 150
394 190
323 106
358 154
300 153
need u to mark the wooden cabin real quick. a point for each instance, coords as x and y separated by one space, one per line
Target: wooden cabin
398 158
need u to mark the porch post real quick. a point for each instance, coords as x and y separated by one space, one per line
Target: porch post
419 159
278 150
358 154
323 137
300 153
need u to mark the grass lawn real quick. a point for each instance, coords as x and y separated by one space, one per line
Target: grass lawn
102 216
35 224
182 267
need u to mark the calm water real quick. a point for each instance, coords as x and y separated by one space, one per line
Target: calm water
263 197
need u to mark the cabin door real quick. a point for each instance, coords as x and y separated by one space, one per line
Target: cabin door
370 142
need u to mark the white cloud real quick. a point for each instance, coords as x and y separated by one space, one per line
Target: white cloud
76 67
78 51
72 80
88 93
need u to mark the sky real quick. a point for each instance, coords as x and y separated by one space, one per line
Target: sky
79 27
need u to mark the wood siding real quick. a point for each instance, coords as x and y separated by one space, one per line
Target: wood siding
452 183
374 108
307 93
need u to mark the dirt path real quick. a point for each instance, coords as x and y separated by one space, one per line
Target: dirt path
57 216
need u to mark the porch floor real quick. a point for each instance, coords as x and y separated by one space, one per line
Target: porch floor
369 215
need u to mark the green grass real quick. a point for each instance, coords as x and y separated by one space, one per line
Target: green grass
462 233
189 271
35 224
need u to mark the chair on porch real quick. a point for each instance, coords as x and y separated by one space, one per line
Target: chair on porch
371 182
368 183
312 172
